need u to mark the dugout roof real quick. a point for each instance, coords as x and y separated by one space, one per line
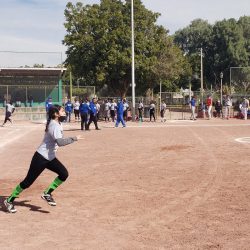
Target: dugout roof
32 72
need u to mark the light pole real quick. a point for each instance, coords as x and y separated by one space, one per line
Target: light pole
133 60
201 76
221 78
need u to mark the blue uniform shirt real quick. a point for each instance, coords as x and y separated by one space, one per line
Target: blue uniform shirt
120 108
48 105
84 108
68 107
193 102
92 108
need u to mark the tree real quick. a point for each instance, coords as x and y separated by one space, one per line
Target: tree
191 39
99 46
225 44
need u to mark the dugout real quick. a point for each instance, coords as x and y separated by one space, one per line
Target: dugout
25 85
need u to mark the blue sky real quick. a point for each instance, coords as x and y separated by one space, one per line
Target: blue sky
37 25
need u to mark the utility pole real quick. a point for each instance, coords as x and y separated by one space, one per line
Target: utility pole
133 60
201 76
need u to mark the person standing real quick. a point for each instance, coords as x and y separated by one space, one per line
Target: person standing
98 108
84 111
228 104
120 110
48 105
163 111
45 157
209 103
76 110
113 106
9 110
193 106
68 109
93 114
107 110
30 100
245 107
152 111
218 108
140 110
125 109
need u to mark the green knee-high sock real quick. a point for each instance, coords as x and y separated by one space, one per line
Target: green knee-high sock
55 184
15 193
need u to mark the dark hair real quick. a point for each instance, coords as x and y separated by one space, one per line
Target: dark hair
51 114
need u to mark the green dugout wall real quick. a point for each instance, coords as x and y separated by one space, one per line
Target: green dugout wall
25 85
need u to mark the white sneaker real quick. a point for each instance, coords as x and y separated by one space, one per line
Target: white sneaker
49 199
9 206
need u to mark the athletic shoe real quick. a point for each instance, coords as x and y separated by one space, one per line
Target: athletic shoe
9 206
49 199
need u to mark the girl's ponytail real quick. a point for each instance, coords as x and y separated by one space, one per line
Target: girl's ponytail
51 115
47 124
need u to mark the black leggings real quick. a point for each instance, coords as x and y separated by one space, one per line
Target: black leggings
38 164
152 114
7 117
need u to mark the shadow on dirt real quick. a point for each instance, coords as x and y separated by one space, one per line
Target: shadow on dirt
24 203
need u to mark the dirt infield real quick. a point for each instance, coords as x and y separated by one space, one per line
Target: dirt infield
177 185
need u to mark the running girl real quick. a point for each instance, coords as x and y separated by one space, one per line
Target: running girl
45 157
8 112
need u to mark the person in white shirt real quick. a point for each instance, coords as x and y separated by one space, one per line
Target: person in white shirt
163 110
45 158
227 104
98 107
76 110
152 111
244 107
125 109
9 110
113 106
107 110
140 109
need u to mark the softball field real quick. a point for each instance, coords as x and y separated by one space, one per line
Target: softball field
174 185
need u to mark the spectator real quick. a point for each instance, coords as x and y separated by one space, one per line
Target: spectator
120 111
76 110
244 107
163 110
107 110
218 108
228 104
68 110
209 103
192 106
84 111
30 100
112 109
140 109
48 105
93 114
152 110
125 109
9 110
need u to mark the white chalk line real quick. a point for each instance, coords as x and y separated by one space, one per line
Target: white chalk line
11 136
243 140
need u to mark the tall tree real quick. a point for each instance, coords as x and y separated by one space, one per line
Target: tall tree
99 46
225 44
191 39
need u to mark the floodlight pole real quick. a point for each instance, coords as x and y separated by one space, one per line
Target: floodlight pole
133 59
160 96
221 78
201 76
70 85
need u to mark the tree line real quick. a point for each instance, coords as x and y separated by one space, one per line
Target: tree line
98 40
